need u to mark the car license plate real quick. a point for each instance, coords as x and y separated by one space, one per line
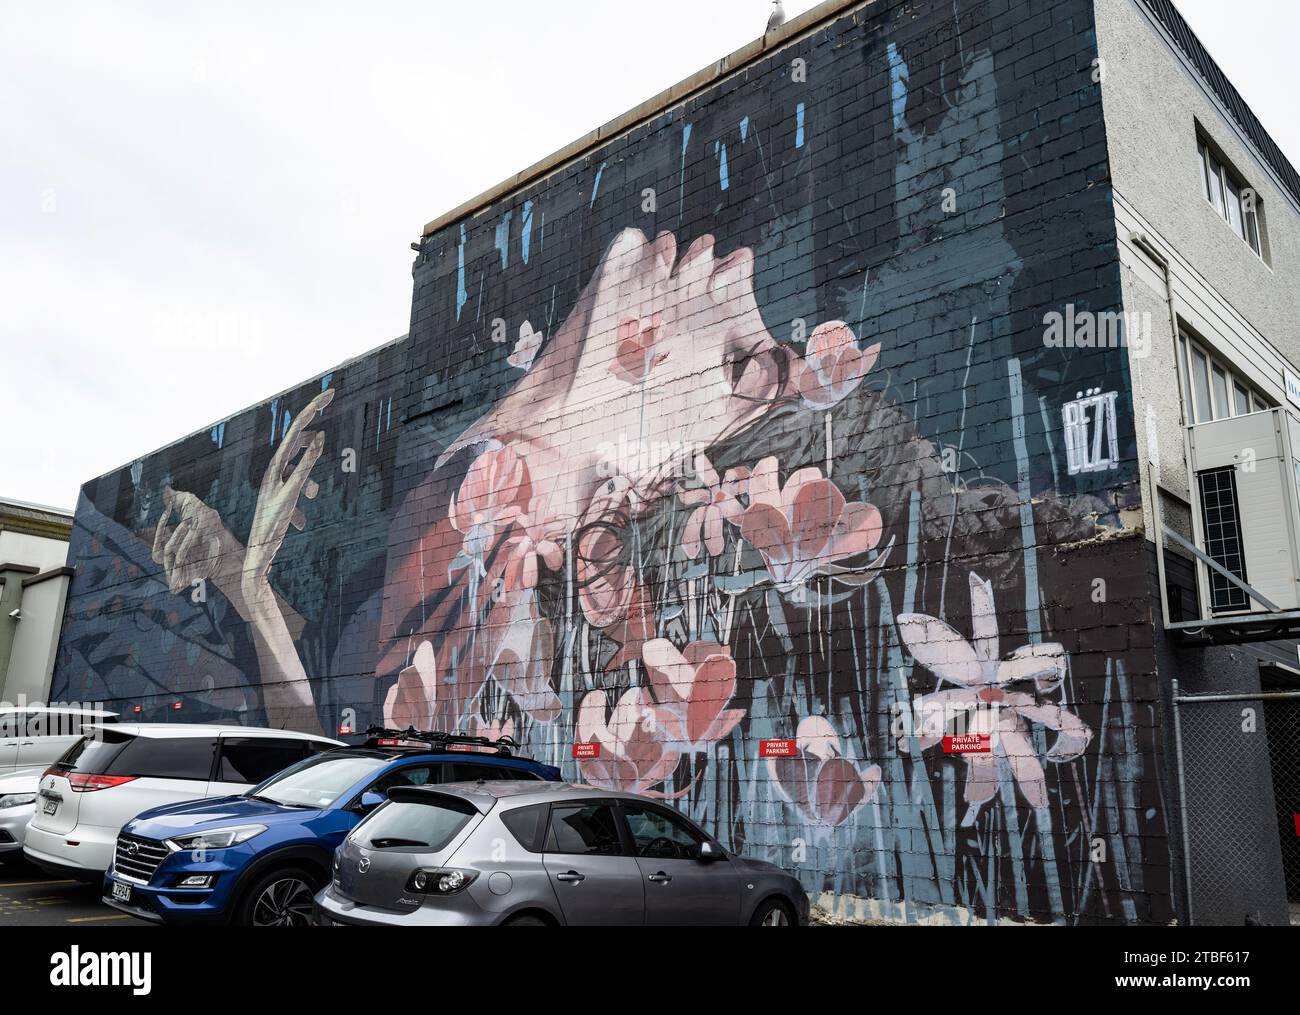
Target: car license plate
50 804
121 892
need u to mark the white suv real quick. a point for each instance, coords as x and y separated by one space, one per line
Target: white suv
117 771
36 736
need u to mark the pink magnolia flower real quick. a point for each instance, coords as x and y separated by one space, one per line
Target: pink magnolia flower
411 701
635 353
805 527
833 366
819 781
635 754
495 491
983 698
714 502
693 689
526 348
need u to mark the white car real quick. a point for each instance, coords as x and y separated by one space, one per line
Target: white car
36 736
115 772
17 805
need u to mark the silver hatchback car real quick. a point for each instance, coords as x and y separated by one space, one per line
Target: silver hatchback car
529 853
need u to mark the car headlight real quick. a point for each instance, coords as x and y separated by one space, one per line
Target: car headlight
442 881
217 838
17 800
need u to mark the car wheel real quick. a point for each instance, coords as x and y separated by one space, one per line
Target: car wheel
773 913
525 921
280 898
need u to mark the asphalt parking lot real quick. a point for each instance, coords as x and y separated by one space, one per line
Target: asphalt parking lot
31 898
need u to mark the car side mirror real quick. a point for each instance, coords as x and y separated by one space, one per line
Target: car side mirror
711 851
370 800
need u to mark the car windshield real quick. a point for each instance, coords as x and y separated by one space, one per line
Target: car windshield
317 782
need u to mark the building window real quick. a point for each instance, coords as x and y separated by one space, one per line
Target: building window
1236 203
1213 389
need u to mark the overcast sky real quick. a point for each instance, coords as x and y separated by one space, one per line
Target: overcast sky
201 205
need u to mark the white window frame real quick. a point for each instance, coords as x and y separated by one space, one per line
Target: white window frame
1223 187
1189 348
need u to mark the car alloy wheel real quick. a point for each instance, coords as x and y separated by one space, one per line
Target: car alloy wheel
775 918
284 903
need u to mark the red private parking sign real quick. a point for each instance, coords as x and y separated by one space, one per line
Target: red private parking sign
591 750
973 743
776 749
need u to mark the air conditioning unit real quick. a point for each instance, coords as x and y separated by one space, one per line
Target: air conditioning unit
1246 494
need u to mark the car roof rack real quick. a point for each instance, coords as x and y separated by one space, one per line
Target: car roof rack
383 736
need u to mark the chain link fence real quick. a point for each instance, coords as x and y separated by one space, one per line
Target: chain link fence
1238 764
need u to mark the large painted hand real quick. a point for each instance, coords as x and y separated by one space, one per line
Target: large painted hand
198 547
287 479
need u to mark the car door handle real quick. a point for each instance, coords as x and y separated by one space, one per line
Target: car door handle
572 877
660 879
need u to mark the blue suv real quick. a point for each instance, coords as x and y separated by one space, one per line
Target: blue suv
258 859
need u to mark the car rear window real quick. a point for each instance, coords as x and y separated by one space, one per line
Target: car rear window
255 759
428 825
525 824
142 757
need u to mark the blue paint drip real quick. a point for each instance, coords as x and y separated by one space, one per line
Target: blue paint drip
275 418
722 170
325 382
798 133
503 239
898 78
288 418
219 435
526 228
595 187
389 424
461 295
744 129
1029 541
681 186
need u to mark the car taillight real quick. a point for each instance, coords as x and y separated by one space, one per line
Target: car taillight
84 783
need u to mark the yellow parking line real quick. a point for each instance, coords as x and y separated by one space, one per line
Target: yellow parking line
92 919
29 884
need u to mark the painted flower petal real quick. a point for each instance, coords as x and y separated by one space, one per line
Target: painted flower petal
984 619
816 512
711 691
1045 665
714 538
765 528
1025 765
765 485
670 674
1073 735
410 701
940 649
691 543
859 530
817 737
838 792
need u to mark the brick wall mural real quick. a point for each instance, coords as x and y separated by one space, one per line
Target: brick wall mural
731 465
